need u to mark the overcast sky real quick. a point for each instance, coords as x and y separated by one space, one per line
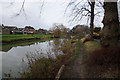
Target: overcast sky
52 12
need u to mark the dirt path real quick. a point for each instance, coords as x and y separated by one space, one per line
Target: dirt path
76 69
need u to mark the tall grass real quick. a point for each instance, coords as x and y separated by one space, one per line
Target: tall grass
101 62
42 67
105 56
105 62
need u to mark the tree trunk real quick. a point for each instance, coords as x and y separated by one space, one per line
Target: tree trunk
111 25
92 17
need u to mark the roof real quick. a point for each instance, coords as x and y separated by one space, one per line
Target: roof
9 27
29 27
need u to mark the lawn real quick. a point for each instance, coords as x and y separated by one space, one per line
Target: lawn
15 37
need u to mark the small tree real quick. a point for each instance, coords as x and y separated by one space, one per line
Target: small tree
59 30
82 9
80 30
56 33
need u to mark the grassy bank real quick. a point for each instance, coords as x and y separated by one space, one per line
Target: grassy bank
76 50
89 47
17 37
9 41
6 47
103 61
48 67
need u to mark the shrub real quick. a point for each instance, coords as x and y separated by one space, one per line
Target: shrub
104 63
104 56
42 68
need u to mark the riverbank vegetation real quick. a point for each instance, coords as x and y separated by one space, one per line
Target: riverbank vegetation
103 61
101 58
48 67
59 30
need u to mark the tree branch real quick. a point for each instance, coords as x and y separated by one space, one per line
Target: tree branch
22 9
89 2
42 7
69 4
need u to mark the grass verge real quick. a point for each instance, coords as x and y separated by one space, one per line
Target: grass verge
17 37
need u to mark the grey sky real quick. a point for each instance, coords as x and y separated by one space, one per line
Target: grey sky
52 12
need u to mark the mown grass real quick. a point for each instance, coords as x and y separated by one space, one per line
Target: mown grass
15 37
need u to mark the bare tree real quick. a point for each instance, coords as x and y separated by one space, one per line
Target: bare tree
85 9
22 9
59 30
92 5
79 30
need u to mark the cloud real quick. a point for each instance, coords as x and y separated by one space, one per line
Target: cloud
52 12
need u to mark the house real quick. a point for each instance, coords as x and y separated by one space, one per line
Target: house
0 29
8 29
20 31
26 30
15 30
43 31
29 30
5 31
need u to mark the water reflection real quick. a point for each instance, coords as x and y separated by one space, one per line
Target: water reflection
7 47
12 60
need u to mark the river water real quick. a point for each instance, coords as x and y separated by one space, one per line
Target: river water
15 61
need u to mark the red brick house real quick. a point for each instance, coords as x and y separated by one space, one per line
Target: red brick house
29 29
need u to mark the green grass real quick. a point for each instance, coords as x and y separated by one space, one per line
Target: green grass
76 50
16 37
9 46
89 47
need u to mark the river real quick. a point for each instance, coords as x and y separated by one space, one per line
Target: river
15 61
